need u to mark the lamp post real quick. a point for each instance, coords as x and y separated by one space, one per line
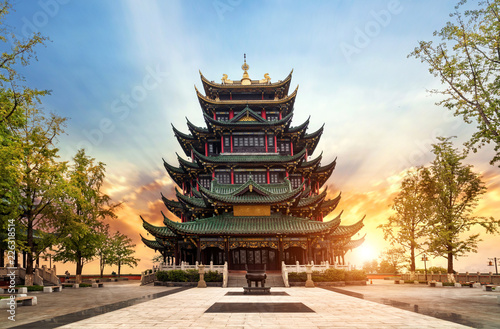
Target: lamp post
425 259
494 260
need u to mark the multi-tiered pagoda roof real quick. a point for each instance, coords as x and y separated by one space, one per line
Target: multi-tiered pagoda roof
250 185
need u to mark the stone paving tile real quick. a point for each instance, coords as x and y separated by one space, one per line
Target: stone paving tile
333 310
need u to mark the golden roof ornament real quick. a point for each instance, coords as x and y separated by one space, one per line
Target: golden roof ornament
246 79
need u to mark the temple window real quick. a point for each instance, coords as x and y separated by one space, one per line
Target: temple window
205 182
296 180
223 177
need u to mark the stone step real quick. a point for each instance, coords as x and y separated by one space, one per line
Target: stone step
238 280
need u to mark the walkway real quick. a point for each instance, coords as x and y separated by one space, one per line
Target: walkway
226 307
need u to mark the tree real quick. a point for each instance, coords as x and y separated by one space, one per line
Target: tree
455 190
80 212
41 176
467 61
392 260
104 248
412 209
16 105
370 266
15 52
122 251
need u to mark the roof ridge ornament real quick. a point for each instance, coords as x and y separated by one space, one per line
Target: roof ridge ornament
245 67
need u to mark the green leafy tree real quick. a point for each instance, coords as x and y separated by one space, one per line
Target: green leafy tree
370 266
122 250
392 260
16 99
104 248
467 61
80 212
412 209
41 176
455 190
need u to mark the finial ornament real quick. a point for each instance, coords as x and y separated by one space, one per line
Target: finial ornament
245 66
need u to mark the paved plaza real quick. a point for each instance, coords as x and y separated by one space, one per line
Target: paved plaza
128 305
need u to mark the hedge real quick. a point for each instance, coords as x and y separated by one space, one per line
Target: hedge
187 276
329 275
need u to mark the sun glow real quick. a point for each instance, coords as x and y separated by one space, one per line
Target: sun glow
366 253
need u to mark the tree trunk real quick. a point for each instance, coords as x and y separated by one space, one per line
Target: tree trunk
450 259
101 266
2 263
119 268
412 255
79 266
29 258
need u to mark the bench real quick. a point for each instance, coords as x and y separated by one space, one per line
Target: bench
20 290
98 285
489 287
24 301
52 289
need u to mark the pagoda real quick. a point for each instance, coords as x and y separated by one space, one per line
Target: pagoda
250 192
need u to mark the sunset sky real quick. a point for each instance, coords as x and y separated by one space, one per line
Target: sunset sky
123 72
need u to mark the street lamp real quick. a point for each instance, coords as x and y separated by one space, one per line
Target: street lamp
425 259
494 261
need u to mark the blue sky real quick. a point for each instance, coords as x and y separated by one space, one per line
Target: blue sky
123 72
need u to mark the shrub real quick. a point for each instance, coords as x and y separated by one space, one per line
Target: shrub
213 276
333 274
192 275
177 276
162 276
297 277
35 288
85 285
317 276
355 275
448 284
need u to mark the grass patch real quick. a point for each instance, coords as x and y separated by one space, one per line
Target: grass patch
32 288
448 284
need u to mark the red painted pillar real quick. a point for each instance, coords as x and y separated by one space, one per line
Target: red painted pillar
280 116
275 144
215 116
197 186
263 114
213 174
268 178
232 176
231 114
206 149
222 144
291 148
231 143
306 154
286 172
265 137
230 95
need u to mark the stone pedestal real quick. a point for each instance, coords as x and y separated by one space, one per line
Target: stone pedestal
201 271
309 281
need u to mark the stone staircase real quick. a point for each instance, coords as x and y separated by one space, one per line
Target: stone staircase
238 280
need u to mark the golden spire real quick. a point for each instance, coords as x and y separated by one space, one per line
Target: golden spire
246 79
